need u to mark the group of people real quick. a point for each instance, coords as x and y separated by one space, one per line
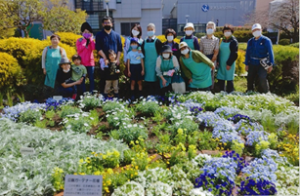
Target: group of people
152 65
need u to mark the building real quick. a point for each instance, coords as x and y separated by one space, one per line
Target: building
125 13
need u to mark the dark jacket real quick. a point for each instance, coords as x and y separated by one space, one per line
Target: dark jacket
110 72
158 46
175 49
233 49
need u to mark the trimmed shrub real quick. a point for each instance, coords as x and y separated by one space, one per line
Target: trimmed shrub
296 45
9 71
68 38
284 42
239 64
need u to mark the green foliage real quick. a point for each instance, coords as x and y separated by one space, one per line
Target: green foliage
30 116
296 45
206 142
68 110
132 132
237 147
186 124
147 107
9 71
81 125
41 124
239 64
90 102
68 38
262 145
273 140
284 42
50 114
111 105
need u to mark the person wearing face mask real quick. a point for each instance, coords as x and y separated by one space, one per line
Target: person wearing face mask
66 86
106 40
151 48
85 46
189 38
166 65
209 45
136 32
196 68
51 57
170 36
258 48
227 57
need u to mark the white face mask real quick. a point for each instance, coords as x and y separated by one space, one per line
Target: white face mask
188 32
185 51
209 31
66 70
135 32
170 38
256 33
227 34
166 55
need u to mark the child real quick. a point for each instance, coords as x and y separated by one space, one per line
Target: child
111 73
135 67
66 86
78 72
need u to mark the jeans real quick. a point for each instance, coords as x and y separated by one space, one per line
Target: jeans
66 92
90 71
257 73
229 87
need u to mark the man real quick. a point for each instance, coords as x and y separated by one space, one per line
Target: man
106 40
259 47
209 45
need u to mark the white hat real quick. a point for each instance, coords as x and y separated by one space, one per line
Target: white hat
182 44
256 26
189 24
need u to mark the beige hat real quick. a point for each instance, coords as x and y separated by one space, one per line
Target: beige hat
182 44
189 24
256 26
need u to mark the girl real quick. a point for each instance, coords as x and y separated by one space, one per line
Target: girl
136 32
135 67
166 65
189 38
85 46
227 57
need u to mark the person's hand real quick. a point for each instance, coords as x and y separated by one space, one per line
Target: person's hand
129 73
79 81
142 72
106 62
247 68
270 69
164 82
118 61
190 80
44 70
213 68
228 67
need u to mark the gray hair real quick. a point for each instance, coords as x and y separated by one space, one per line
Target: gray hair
211 23
151 25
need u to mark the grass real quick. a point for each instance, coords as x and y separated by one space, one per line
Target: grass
240 84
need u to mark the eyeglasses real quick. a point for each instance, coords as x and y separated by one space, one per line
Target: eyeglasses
106 23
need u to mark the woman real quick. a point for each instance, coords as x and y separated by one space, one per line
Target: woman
151 48
196 67
136 32
166 65
85 46
189 38
227 57
51 57
170 36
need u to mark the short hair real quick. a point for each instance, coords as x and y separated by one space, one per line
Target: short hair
111 52
228 27
211 23
107 18
170 31
139 28
53 36
75 57
151 25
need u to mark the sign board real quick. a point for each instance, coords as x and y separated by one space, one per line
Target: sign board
27 151
77 185
57 98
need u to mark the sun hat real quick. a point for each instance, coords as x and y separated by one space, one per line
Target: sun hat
64 60
182 44
256 26
189 24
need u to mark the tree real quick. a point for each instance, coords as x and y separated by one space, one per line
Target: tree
260 17
59 17
20 14
284 16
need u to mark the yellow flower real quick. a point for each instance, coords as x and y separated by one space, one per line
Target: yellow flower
180 131
110 171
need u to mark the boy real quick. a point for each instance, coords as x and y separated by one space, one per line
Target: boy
111 72
78 72
135 67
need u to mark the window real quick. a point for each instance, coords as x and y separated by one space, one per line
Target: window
93 20
119 1
89 5
126 27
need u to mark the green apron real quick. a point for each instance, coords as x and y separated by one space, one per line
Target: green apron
165 66
52 64
223 73
150 61
201 73
190 42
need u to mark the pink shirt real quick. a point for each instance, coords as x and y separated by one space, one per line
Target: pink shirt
86 53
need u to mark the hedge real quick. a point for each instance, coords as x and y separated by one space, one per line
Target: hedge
9 71
284 42
296 45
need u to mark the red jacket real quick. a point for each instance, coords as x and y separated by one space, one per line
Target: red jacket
86 53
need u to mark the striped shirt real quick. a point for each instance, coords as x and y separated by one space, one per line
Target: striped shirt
208 45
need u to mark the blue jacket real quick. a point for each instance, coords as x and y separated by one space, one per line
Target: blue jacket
258 49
